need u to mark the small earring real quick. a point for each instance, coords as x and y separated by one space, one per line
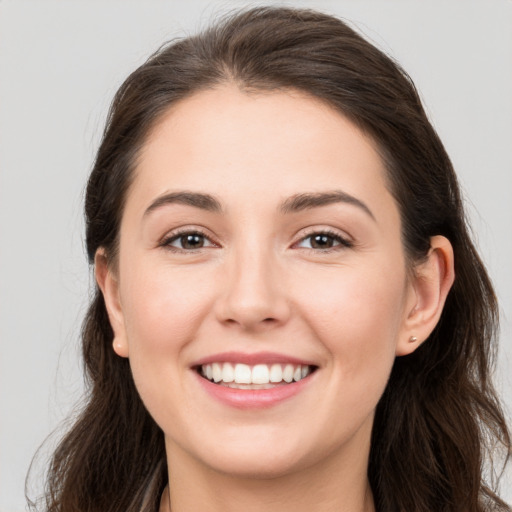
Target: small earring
413 339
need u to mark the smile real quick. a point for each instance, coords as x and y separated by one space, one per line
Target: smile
254 381
259 376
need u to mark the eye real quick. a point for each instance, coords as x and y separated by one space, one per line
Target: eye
323 241
187 241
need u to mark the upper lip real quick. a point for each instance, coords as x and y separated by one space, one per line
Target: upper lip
251 359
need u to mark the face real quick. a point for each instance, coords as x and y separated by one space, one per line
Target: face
259 243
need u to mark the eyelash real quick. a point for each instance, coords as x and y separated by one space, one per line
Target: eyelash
342 242
166 242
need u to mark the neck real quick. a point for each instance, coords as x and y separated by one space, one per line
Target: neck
335 484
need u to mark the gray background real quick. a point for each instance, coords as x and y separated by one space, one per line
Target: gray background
60 64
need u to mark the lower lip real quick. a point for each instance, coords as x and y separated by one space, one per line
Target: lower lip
253 398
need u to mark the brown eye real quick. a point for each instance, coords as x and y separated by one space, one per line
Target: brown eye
324 241
188 241
193 241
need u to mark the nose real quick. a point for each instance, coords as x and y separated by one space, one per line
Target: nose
253 294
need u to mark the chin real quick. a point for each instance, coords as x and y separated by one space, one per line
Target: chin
260 453
263 467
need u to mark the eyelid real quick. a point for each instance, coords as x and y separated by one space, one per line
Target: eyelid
175 234
345 241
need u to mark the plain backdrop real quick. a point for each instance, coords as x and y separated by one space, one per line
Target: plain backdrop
60 64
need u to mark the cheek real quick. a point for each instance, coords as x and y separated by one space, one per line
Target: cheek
357 316
163 309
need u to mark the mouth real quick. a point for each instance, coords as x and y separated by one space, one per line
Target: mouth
254 380
254 377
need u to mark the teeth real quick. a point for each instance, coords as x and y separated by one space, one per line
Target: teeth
228 372
242 374
288 373
260 374
276 373
216 372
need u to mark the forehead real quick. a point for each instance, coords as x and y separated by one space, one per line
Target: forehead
264 145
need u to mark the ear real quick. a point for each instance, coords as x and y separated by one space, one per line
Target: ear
109 286
427 294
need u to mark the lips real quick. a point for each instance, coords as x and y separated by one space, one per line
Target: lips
253 380
252 359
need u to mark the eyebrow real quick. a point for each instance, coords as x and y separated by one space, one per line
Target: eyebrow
196 199
295 203
307 201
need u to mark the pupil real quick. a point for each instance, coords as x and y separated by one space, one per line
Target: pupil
322 241
191 241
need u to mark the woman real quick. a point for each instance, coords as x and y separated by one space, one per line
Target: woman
290 313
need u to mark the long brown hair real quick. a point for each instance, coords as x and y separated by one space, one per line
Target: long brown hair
439 420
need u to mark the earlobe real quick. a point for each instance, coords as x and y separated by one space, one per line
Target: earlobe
109 286
429 288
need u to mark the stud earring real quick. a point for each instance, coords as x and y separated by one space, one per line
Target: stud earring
413 339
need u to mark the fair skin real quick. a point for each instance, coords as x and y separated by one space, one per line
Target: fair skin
264 277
